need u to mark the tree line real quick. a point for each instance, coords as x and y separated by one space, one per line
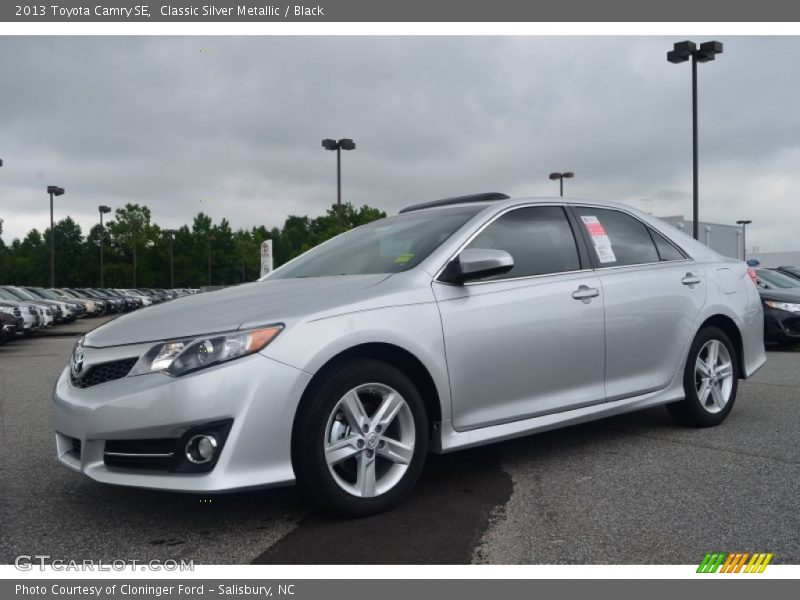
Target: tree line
235 254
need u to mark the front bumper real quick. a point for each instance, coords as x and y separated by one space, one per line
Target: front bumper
259 394
781 326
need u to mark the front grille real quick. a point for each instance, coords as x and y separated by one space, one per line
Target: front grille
76 446
153 454
103 372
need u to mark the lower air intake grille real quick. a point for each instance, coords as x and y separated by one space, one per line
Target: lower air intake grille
153 454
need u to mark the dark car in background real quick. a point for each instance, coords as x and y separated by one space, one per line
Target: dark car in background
11 323
780 297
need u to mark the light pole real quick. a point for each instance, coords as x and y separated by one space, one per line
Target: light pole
342 144
744 225
103 210
561 177
210 238
53 190
681 52
137 222
242 248
171 235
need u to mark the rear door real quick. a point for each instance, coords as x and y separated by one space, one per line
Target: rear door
653 294
528 342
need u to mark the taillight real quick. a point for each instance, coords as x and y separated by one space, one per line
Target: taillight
752 275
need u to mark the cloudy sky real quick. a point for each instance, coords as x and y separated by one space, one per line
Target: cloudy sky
232 126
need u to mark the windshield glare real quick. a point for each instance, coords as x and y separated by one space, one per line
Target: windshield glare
389 245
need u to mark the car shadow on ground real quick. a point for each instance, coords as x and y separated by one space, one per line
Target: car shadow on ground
444 519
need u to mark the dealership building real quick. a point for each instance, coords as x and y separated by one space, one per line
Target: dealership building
727 240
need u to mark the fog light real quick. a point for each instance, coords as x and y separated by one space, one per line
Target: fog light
200 449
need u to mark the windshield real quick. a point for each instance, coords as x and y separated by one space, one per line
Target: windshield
778 280
40 293
390 245
23 294
6 295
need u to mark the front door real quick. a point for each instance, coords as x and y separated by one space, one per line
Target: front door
528 342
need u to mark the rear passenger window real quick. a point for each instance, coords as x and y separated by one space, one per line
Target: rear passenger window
539 239
617 239
666 250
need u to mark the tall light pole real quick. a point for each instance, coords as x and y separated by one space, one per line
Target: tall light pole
171 235
53 190
242 248
342 144
210 238
137 222
744 225
561 177
681 52
103 210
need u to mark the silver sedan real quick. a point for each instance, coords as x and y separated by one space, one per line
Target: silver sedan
456 323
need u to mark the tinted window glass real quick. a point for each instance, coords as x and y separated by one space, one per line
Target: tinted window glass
665 249
617 239
539 239
775 279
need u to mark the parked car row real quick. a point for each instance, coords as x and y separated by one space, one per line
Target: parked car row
779 289
27 309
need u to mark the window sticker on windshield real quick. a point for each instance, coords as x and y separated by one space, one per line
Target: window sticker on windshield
403 258
602 244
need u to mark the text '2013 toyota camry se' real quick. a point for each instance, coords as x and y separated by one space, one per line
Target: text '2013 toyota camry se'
453 324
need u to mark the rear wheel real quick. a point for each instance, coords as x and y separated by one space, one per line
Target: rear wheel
710 381
360 438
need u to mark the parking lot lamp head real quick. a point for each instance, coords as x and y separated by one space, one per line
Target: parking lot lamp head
53 190
338 146
560 177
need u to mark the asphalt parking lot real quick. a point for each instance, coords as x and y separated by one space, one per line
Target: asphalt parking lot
635 489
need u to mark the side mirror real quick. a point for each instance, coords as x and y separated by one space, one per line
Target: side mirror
477 263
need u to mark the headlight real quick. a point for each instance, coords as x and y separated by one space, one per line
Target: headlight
6 309
788 306
178 357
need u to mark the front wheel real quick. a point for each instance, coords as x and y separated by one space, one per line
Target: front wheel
360 438
710 381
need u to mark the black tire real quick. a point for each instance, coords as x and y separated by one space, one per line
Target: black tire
310 429
690 411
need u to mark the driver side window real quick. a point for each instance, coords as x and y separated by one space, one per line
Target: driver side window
538 238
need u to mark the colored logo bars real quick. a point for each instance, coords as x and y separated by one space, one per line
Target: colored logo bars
734 562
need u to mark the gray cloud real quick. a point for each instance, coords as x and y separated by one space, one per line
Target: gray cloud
232 126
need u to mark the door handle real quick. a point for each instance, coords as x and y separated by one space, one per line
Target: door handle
585 293
690 279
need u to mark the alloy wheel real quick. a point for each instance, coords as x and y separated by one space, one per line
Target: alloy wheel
713 374
369 440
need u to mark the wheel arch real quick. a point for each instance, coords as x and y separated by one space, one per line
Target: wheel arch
394 355
731 329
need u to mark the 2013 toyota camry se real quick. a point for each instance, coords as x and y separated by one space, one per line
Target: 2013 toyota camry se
453 324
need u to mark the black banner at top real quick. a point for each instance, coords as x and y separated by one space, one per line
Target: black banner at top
243 11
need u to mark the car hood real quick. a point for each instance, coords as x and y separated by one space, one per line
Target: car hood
227 309
783 295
